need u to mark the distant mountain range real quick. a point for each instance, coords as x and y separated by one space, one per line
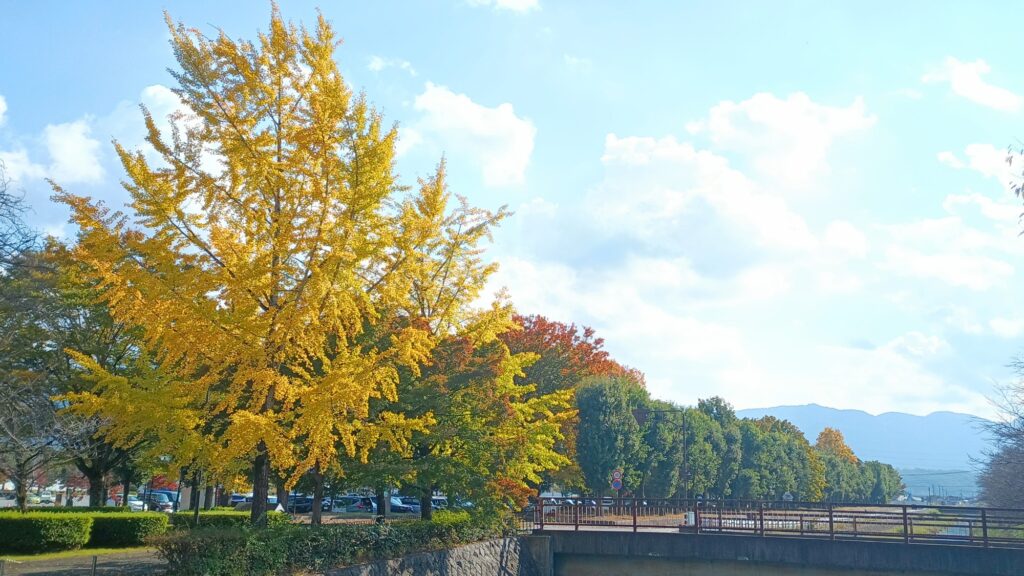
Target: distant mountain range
933 452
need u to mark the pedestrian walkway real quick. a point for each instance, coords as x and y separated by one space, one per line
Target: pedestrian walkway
135 563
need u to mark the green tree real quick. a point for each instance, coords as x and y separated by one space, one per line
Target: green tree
729 446
609 436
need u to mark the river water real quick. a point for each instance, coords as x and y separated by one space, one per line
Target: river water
617 566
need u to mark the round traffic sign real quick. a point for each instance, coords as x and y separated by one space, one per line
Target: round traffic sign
617 484
616 474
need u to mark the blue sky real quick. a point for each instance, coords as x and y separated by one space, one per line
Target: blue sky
780 203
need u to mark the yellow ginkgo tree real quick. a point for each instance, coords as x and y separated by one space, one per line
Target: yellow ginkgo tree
270 258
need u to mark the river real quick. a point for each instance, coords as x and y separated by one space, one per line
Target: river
617 566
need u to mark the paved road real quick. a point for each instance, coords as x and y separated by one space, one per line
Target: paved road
139 563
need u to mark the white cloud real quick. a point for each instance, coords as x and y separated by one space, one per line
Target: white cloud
1007 327
408 138
18 166
501 141
538 207
510 5
876 380
653 185
910 93
965 79
1005 212
577 62
3 109
962 319
949 159
846 238
74 154
918 345
973 271
787 139
984 159
950 250
379 63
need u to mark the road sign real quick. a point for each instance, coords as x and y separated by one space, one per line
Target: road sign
617 484
616 474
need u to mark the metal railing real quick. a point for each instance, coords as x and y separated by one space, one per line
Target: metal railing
910 524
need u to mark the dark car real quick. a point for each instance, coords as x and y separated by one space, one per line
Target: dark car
300 504
159 502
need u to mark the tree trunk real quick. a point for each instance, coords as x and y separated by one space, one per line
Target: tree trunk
208 497
260 486
225 497
282 493
97 488
21 494
197 479
427 504
315 515
193 492
383 503
126 484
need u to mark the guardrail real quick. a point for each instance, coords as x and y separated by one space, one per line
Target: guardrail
910 524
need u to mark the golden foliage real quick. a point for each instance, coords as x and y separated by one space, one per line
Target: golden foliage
279 272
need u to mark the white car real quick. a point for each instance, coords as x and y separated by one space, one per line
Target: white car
135 504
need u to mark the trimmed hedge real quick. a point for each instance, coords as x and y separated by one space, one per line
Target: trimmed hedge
224 519
78 509
43 531
300 549
126 529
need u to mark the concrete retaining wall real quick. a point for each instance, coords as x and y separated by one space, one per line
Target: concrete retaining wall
843 554
501 557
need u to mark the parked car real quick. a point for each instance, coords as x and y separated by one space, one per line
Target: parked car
412 502
300 504
363 504
236 498
439 502
343 502
135 504
172 495
159 502
400 507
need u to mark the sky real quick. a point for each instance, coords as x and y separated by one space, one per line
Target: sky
774 202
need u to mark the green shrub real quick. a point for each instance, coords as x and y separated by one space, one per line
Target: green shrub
43 531
126 529
204 551
224 519
295 548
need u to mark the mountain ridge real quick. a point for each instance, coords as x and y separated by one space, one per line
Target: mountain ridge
942 440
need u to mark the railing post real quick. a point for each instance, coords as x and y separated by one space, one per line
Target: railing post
541 508
906 526
576 516
720 504
760 517
634 513
831 522
801 524
696 516
984 529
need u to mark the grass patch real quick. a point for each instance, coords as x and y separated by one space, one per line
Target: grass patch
73 553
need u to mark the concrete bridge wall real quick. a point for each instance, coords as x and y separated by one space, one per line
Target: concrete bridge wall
840 554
